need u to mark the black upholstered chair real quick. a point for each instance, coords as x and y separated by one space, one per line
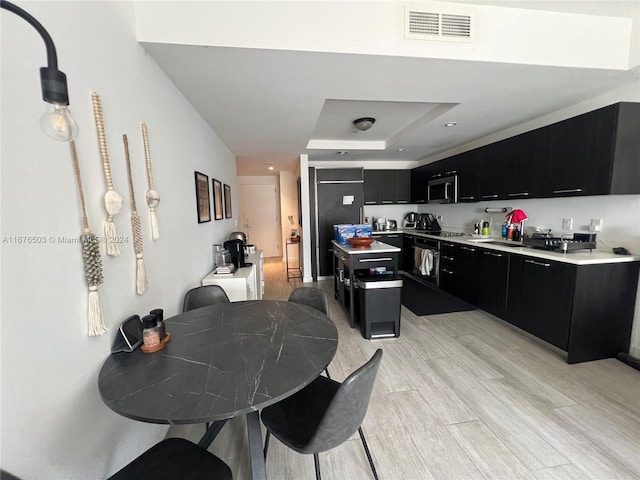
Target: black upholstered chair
203 296
324 414
311 296
173 459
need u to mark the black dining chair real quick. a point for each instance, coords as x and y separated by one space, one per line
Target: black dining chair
173 459
324 414
312 297
203 296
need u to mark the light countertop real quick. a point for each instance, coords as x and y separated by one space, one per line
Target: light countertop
579 257
375 247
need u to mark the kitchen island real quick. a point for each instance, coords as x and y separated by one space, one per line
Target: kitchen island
349 260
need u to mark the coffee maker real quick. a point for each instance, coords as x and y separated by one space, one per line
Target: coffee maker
236 250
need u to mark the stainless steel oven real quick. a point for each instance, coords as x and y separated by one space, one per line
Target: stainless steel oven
426 259
443 190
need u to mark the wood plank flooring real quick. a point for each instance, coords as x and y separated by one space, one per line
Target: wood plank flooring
463 396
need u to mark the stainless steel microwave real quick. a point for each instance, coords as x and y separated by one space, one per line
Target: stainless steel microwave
443 190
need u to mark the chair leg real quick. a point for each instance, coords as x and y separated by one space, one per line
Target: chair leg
316 461
366 450
266 444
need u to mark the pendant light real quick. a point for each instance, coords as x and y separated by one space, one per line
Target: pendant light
56 121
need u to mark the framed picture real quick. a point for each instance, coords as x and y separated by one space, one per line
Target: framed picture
227 201
217 199
203 202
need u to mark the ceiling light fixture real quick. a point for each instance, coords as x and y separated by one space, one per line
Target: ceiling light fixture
400 150
451 124
341 153
365 123
270 166
56 121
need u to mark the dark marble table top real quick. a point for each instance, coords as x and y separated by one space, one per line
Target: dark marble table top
222 361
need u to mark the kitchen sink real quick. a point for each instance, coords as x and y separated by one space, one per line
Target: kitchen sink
505 244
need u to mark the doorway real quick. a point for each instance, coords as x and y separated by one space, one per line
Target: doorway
260 217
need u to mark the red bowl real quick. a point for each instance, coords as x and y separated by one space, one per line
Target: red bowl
361 242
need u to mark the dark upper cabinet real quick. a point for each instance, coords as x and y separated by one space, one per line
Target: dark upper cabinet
597 153
387 186
467 166
402 180
371 186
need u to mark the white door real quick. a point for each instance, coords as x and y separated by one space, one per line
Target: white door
261 220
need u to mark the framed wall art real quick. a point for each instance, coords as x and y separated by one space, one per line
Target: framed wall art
227 201
203 202
217 199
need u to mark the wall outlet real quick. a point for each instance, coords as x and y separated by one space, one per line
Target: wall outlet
567 223
596 225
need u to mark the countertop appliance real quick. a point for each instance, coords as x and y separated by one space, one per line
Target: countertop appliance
236 250
392 225
428 223
443 190
564 245
410 220
238 236
380 225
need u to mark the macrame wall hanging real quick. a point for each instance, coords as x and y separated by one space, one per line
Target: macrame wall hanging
112 200
141 272
153 197
91 259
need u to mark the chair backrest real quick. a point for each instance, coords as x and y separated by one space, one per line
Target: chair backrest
347 409
203 296
311 296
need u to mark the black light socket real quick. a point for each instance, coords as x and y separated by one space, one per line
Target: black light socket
54 86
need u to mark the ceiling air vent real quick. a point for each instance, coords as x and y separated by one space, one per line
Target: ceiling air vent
432 25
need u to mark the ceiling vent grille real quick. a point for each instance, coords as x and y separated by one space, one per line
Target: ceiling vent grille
431 25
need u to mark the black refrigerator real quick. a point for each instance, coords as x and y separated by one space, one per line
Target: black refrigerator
337 196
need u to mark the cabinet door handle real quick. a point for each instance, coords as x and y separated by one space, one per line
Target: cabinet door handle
387 201
448 245
495 254
451 172
521 194
341 275
444 270
467 198
451 259
495 195
468 249
392 236
369 260
369 203
570 190
403 201
437 175
538 263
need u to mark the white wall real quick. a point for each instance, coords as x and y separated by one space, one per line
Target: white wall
53 423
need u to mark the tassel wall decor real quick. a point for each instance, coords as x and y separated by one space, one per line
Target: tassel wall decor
153 197
112 200
141 271
91 259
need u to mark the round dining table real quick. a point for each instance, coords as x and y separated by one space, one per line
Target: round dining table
222 361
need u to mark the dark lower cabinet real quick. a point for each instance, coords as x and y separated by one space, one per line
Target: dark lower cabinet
540 298
493 274
459 271
585 310
408 259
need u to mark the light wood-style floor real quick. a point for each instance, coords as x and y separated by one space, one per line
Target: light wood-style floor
462 396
